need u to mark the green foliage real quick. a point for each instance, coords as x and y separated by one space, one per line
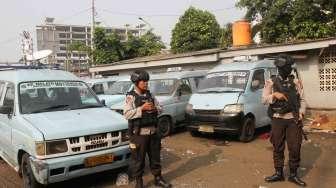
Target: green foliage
291 20
226 37
196 30
147 44
109 48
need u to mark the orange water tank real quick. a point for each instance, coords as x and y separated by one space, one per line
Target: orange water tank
241 33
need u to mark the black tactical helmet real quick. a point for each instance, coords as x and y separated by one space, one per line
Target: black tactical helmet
139 75
283 60
284 65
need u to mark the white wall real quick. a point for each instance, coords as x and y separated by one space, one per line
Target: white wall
309 72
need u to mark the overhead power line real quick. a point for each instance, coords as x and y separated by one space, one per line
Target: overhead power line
156 15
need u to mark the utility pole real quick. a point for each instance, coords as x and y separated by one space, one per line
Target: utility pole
92 29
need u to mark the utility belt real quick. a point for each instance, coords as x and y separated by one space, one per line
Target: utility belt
143 126
143 131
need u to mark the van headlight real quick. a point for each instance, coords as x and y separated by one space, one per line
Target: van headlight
51 147
190 109
233 108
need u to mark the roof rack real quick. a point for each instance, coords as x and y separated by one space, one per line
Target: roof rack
17 67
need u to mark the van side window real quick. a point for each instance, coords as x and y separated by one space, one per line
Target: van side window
2 85
259 79
98 89
185 87
9 96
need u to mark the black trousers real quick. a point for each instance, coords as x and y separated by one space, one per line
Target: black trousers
286 130
150 145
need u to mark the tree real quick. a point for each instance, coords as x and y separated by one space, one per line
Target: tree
107 47
110 48
291 20
226 37
196 30
147 44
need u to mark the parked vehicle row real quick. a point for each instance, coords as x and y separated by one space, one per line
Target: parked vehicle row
54 126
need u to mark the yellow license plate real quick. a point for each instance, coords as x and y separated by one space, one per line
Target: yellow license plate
98 160
206 128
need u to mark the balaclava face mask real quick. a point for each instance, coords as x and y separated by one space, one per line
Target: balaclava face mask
285 71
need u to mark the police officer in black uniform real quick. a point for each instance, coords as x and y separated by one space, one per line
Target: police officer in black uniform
141 110
284 95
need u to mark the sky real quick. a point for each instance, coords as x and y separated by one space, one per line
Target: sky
162 15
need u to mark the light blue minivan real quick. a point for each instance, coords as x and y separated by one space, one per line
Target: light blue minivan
229 100
112 90
172 90
54 128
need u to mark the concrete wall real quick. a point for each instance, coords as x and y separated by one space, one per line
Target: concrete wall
309 72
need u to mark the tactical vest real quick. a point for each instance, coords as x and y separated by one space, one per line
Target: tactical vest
148 118
288 88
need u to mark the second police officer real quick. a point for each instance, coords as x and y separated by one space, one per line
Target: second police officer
284 94
141 110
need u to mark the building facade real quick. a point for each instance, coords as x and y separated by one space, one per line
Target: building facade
57 37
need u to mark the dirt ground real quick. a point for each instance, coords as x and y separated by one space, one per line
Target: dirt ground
211 162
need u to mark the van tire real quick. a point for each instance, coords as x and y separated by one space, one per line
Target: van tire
28 177
165 126
247 130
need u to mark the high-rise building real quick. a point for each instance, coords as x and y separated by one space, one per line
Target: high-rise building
57 37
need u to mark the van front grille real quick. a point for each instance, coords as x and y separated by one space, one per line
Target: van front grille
207 112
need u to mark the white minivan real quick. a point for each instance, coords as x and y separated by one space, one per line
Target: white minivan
228 100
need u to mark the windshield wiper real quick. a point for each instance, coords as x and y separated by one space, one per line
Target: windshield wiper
50 108
88 106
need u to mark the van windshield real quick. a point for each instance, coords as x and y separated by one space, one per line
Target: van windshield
228 81
162 87
118 88
47 96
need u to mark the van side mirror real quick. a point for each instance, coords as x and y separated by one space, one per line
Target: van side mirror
6 110
103 102
255 85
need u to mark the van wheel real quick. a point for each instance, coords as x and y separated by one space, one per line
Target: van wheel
165 126
248 130
28 177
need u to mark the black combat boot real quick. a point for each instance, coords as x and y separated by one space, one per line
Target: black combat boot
160 182
139 182
295 179
278 176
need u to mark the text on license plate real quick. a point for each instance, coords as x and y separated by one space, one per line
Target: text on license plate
206 128
98 160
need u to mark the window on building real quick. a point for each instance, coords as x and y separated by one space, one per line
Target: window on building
62 28
63 48
80 36
64 41
78 29
61 54
64 35
327 70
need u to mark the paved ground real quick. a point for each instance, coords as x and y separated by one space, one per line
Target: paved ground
210 162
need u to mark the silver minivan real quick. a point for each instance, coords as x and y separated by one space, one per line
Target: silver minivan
111 90
228 100
172 90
